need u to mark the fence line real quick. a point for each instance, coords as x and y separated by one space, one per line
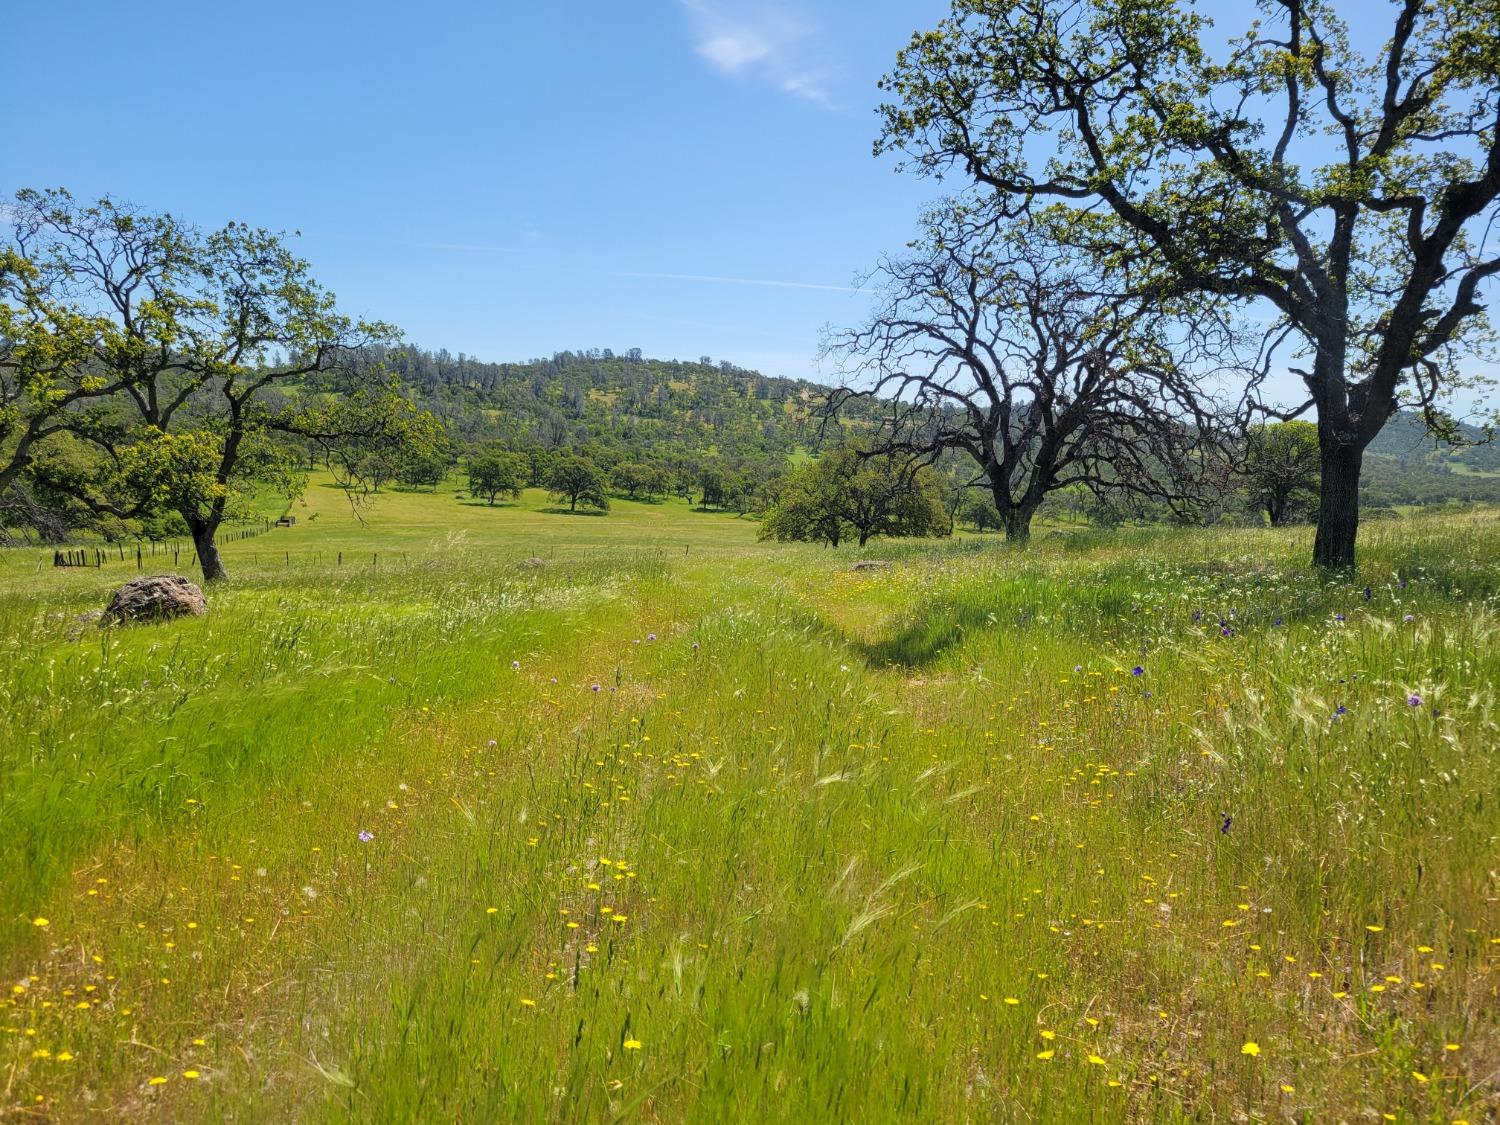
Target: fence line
149 549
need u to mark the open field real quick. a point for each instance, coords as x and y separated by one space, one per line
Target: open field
1145 825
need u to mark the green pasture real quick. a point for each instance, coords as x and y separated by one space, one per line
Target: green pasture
519 815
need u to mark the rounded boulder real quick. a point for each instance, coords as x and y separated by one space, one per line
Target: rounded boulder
156 597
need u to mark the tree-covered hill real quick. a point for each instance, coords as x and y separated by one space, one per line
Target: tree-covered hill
620 402
628 407
1406 439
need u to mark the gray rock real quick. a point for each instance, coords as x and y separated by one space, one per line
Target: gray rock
155 597
871 564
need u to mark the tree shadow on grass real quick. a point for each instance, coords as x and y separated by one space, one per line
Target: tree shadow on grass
570 512
921 641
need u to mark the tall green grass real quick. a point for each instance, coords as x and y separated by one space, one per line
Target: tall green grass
733 832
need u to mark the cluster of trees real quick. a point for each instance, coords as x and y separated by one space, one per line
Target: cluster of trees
153 373
622 405
742 485
1086 316
1342 197
846 494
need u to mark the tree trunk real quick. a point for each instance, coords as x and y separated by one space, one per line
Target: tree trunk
209 560
1017 525
1338 503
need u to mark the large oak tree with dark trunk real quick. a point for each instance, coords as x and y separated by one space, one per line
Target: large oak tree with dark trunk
997 344
1349 192
205 344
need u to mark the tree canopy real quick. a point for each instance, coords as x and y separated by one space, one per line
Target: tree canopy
996 343
495 472
1347 194
162 368
1281 469
844 495
578 480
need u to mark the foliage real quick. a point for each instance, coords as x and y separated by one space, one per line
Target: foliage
637 478
1346 194
206 340
1281 469
495 472
622 407
980 513
845 494
578 481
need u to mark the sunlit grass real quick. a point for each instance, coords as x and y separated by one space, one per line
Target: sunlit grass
677 826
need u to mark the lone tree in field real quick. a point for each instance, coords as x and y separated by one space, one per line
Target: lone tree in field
578 481
1349 195
1001 346
1281 469
844 495
206 360
497 473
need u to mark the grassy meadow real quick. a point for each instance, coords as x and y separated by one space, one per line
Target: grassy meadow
519 815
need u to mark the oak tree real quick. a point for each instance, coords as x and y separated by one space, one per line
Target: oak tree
1345 192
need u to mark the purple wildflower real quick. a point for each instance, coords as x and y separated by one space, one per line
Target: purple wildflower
515 665
1414 700
1339 617
651 636
1339 712
1409 618
365 836
596 687
1138 671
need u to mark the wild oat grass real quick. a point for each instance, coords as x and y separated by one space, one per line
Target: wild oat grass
1147 825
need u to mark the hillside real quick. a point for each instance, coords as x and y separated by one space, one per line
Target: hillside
617 402
629 407
1405 439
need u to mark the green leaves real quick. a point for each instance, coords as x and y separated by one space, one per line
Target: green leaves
177 364
846 495
578 480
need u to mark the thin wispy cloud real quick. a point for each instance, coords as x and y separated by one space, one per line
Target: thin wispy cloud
761 42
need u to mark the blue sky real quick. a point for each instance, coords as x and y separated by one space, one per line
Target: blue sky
505 179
